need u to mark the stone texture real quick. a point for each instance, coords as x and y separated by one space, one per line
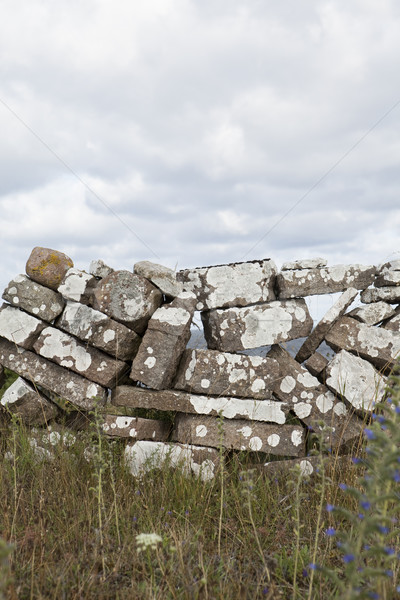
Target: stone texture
235 284
135 427
69 386
309 282
355 380
68 352
235 329
2 376
98 330
162 277
99 269
388 274
308 263
230 408
36 299
317 336
312 402
22 400
372 313
379 346
283 440
220 373
310 465
390 294
78 286
47 266
393 324
392 265
18 327
127 298
316 364
145 456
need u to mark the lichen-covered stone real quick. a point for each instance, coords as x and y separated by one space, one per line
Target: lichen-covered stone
388 274
18 327
68 352
99 269
235 329
235 284
78 286
270 411
69 386
135 427
316 364
36 299
127 298
221 373
283 440
162 277
355 380
309 465
327 280
143 456
393 324
47 266
390 294
25 402
98 330
373 313
308 263
379 346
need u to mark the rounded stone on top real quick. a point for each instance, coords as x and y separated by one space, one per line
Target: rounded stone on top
47 266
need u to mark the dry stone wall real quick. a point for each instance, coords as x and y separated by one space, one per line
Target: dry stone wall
115 341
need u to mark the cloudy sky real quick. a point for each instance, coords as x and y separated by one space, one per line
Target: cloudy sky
193 132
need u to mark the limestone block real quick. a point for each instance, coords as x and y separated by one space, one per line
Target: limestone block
282 440
392 265
68 352
312 402
127 298
235 284
235 329
78 286
162 277
355 380
373 313
393 324
379 346
390 294
2 376
48 267
270 411
144 456
316 364
163 343
98 330
22 400
317 336
327 280
40 301
98 268
220 373
19 327
310 465
388 274
308 263
135 427
69 386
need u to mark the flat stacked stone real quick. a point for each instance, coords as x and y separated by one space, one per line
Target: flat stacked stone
317 336
373 313
355 380
234 284
308 466
27 403
128 298
393 324
281 440
235 329
18 327
47 266
99 269
135 427
308 263
390 294
67 385
388 274
270 411
162 277
36 299
164 341
298 283
221 373
78 286
98 330
379 346
67 351
316 364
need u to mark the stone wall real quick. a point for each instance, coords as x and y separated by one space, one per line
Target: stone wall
116 341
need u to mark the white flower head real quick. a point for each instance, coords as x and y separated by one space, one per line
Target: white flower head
147 540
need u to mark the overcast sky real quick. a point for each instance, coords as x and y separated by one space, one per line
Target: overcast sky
184 131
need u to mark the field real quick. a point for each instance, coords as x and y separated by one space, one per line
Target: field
75 524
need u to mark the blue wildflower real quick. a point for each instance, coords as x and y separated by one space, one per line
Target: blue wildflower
365 504
330 531
369 434
343 486
348 558
383 529
330 507
313 566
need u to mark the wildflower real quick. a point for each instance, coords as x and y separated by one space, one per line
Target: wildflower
369 434
389 573
147 540
343 486
330 531
348 558
330 507
360 516
305 573
383 529
373 595
365 504
313 566
355 460
396 476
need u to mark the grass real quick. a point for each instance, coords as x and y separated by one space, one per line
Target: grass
72 527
